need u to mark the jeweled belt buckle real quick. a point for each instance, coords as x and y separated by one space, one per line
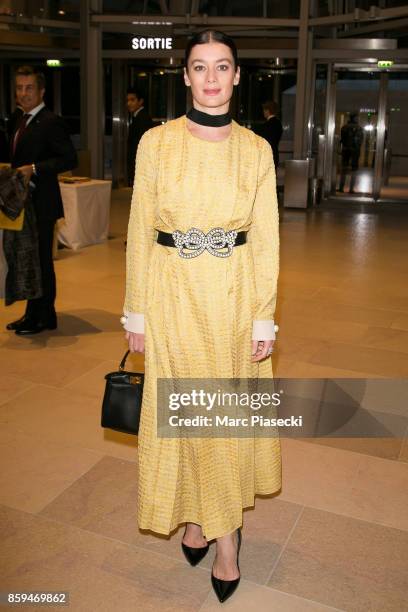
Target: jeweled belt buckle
196 241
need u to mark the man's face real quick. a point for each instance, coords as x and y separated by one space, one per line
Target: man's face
133 103
28 94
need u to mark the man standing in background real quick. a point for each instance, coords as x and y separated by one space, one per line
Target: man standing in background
352 136
272 129
40 148
139 123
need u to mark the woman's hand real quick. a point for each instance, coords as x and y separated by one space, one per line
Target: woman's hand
136 342
261 349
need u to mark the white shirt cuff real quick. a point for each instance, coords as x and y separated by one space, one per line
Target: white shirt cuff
134 322
263 330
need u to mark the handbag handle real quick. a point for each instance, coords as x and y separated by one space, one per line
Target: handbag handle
122 363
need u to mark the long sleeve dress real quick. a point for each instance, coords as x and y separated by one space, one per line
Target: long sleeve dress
199 316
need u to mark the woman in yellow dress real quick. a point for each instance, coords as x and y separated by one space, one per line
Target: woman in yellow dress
207 315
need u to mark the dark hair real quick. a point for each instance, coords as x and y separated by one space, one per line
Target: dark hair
271 106
207 36
136 91
30 71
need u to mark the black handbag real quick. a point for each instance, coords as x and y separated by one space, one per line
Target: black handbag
122 401
13 192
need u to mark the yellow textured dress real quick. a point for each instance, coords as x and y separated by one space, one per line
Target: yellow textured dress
198 316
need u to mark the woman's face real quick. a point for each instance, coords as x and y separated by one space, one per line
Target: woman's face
211 75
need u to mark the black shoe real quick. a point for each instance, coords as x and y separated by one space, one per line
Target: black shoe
194 555
225 588
16 324
29 328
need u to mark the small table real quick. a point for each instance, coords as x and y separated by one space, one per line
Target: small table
86 213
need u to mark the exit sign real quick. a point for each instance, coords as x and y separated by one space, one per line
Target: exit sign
385 63
152 42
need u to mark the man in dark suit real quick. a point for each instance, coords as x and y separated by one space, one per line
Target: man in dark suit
139 123
40 148
352 137
272 129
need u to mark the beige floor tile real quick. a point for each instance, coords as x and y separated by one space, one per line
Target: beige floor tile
250 597
7 315
103 501
281 365
99 292
34 472
99 573
386 338
105 346
314 475
288 308
387 448
302 369
163 583
11 386
363 359
400 322
68 418
31 360
379 493
296 347
334 312
345 563
353 484
380 396
356 296
92 383
306 326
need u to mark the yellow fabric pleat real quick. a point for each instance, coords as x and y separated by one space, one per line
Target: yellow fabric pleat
198 316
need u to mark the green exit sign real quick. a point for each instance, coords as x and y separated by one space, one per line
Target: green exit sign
54 63
385 63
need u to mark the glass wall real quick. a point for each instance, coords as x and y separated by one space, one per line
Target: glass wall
395 184
319 111
70 98
357 98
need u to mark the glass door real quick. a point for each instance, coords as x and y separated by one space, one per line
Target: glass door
395 174
355 132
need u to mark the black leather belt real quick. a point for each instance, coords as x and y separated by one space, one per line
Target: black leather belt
192 243
167 239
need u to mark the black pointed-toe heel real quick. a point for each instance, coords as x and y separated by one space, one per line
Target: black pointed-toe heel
194 555
225 588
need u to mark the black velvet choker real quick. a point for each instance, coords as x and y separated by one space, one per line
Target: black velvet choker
209 120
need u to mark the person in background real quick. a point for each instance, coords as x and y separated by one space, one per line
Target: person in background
272 129
352 136
40 148
139 123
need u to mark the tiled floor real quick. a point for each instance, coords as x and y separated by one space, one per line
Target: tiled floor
335 538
